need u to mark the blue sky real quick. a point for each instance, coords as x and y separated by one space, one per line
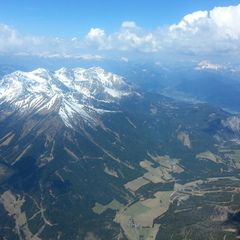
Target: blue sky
68 18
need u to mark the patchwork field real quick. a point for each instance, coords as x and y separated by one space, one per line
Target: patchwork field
137 218
114 205
161 174
234 156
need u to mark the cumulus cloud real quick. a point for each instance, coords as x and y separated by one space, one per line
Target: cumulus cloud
91 57
203 65
202 33
95 33
131 37
222 20
190 22
227 20
97 39
13 42
216 31
129 24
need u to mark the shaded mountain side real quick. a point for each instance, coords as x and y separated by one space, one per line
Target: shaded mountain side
146 158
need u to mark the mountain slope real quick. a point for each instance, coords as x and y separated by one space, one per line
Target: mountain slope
138 159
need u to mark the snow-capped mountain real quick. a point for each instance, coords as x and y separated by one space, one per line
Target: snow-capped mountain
83 92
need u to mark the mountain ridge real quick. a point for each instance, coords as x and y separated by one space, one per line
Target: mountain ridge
85 92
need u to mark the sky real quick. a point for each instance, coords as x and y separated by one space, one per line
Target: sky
123 28
69 18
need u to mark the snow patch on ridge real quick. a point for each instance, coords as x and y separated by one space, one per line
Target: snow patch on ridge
72 93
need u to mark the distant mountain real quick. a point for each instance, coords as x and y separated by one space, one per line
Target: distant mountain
7 69
219 88
84 155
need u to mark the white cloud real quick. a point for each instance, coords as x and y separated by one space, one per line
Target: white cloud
95 33
129 37
215 26
132 39
227 20
205 34
9 39
129 24
224 21
207 65
190 22
96 38
12 42
124 59
91 57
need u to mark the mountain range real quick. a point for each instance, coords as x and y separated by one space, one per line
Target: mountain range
85 155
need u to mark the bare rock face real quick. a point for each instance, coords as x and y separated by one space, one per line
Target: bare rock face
233 123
